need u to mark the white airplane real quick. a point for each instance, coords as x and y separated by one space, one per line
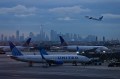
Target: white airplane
45 58
98 19
97 49
24 46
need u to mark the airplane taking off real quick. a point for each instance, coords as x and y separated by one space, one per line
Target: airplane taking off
45 58
97 49
98 19
24 46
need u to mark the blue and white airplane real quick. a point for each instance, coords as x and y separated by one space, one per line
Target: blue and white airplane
98 19
97 49
45 58
24 46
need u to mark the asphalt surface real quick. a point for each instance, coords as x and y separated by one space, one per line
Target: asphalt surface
11 69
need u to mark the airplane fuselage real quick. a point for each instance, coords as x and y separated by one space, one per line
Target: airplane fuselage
63 58
7 48
84 48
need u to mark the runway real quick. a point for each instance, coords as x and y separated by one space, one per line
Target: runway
11 69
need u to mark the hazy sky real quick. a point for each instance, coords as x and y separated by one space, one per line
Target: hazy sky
66 16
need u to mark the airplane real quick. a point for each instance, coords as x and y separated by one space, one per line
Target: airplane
44 57
98 19
84 49
24 46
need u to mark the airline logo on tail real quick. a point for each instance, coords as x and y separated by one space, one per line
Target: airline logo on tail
63 43
15 51
43 51
27 42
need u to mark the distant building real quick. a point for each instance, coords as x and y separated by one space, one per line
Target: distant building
31 35
12 38
90 38
53 35
22 38
96 39
2 37
17 35
5 38
104 39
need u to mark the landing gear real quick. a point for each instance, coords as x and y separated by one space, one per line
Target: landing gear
74 63
46 65
49 64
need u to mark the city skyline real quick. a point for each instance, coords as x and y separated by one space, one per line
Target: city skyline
53 36
66 16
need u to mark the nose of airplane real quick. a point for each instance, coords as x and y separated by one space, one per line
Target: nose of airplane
87 59
102 50
106 50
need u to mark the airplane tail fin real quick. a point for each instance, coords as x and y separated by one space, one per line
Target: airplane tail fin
27 42
43 51
63 43
101 18
15 51
78 50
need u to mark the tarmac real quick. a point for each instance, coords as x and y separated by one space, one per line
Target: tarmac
11 69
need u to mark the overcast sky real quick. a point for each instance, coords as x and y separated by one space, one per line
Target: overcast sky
65 16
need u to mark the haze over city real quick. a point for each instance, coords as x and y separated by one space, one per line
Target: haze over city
65 16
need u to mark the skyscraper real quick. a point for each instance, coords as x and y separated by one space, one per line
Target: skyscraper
53 35
2 37
103 39
31 35
17 35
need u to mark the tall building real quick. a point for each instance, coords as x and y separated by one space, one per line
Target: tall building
2 37
53 35
90 38
21 38
103 39
12 38
31 35
5 38
17 35
96 39
42 34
